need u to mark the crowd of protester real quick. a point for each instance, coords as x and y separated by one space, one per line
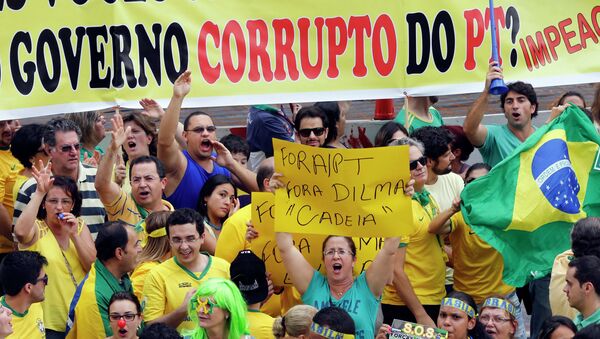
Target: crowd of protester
149 237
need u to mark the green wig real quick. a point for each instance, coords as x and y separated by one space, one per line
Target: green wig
227 297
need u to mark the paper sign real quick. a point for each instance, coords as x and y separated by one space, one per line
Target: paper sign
407 330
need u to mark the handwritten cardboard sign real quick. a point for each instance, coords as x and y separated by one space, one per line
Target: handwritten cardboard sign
407 330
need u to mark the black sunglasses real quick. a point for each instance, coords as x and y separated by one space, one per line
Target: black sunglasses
68 148
305 132
413 164
44 279
201 129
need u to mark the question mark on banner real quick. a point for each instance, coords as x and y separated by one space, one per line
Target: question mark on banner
512 22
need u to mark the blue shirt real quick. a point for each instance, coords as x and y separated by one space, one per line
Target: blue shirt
188 191
358 301
264 124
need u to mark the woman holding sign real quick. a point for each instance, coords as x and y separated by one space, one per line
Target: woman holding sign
458 316
359 296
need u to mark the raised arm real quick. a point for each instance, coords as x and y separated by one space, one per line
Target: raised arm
245 177
406 292
379 273
107 189
168 149
25 230
441 223
299 270
154 110
476 132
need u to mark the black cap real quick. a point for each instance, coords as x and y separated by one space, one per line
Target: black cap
249 274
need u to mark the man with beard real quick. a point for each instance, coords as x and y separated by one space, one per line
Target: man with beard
496 142
62 143
188 170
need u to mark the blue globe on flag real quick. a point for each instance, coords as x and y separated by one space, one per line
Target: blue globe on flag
553 173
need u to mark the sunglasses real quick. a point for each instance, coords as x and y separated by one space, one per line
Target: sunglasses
68 148
44 279
203 305
201 129
413 164
305 132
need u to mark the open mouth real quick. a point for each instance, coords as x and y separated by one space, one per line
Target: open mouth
186 253
131 144
122 332
337 268
516 115
144 194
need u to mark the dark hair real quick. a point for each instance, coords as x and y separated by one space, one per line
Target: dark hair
112 235
20 268
551 324
460 141
310 112
125 295
588 332
332 110
336 319
160 169
86 122
184 216
587 269
524 89
349 240
59 125
70 187
236 144
386 131
596 105
159 331
561 100
209 187
186 122
264 170
585 237
149 127
435 139
479 330
478 166
26 143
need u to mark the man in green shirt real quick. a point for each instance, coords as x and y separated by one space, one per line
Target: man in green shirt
583 289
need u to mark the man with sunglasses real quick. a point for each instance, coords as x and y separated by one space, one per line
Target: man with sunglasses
188 170
311 125
24 280
61 142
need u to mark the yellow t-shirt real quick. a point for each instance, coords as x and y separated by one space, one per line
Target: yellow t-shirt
477 265
8 163
138 277
29 325
10 183
167 284
260 324
558 298
232 239
424 263
61 288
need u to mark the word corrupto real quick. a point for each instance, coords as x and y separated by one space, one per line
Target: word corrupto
246 52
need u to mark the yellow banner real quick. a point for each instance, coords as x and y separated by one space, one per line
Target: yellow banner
64 56
265 247
349 192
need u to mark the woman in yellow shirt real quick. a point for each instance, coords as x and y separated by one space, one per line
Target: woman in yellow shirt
50 225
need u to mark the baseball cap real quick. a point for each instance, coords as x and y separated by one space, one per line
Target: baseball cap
249 274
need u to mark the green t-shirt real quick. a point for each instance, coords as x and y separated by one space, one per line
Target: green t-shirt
591 320
499 143
414 122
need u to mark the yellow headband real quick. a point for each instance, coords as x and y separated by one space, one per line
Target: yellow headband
502 304
329 333
157 233
459 304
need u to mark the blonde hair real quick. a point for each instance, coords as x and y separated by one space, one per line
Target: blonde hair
295 322
155 248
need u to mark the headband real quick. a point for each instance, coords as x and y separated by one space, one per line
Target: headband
459 304
157 233
500 303
328 332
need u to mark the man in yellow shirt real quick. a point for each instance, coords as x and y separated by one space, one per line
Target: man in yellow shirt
24 280
249 274
147 177
170 285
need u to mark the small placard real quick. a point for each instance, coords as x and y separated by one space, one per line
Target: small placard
407 330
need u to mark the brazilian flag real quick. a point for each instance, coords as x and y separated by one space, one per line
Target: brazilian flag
526 206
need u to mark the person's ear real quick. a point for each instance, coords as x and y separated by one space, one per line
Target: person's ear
471 324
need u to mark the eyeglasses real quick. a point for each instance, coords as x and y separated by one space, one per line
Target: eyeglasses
414 164
201 129
188 240
127 316
68 148
305 132
203 305
497 319
62 201
341 252
44 279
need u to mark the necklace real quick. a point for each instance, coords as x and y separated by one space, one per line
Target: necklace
215 227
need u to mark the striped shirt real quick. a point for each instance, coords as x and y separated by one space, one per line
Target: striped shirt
92 210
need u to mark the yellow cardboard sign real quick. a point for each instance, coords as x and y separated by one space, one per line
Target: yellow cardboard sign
309 245
350 192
